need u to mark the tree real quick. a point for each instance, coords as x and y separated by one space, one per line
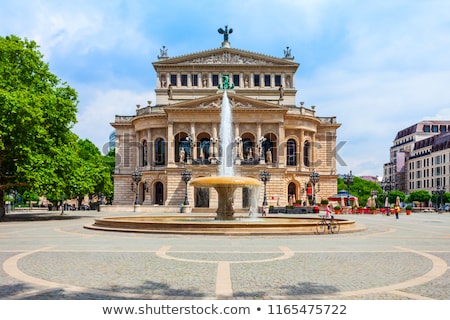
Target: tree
91 174
360 188
38 110
421 196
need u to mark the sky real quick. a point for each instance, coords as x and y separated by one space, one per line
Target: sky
378 66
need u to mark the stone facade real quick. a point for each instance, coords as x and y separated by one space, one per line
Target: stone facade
181 131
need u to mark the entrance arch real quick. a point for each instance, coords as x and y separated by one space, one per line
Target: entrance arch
292 193
159 193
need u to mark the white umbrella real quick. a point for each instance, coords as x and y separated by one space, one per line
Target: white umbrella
342 202
386 203
356 202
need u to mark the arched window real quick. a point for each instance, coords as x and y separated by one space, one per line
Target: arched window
160 151
181 144
306 153
144 153
291 152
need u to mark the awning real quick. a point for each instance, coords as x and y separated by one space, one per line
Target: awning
342 194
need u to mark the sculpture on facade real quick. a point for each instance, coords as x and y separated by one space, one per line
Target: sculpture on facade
225 33
226 85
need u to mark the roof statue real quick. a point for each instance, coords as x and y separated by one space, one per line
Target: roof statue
225 33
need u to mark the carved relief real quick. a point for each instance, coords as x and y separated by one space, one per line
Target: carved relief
228 58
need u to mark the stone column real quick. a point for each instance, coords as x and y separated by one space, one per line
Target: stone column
281 148
170 145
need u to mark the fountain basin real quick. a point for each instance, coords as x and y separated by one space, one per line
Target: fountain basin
208 226
225 187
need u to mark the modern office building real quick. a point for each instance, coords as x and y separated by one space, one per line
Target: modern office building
419 158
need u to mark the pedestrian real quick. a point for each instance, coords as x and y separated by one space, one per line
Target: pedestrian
328 211
397 210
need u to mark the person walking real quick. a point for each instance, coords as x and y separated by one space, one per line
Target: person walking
397 210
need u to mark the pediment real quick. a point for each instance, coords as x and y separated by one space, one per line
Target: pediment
237 102
226 56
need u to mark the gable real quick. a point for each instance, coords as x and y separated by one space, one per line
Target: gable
214 102
226 56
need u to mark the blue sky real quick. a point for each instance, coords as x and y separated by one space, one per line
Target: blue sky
378 66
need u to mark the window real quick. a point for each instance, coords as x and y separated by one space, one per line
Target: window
160 151
194 80
173 79
256 80
267 80
291 153
236 79
215 80
306 151
434 128
277 80
144 153
426 128
184 78
443 128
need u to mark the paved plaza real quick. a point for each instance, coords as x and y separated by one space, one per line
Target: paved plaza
53 257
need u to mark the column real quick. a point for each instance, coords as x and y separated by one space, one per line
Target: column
281 149
170 145
300 150
194 149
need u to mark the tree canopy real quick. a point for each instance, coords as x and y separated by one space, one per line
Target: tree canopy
38 111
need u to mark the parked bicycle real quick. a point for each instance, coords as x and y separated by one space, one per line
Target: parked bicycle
327 224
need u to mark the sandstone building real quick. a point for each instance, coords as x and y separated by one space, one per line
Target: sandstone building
181 131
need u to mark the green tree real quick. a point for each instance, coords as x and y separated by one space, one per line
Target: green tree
37 111
360 188
421 196
91 174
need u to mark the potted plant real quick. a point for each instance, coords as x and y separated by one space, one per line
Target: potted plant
373 210
337 209
408 210
298 203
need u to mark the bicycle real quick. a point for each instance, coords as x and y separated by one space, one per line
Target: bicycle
327 224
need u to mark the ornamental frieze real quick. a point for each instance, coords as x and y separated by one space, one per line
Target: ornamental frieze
228 58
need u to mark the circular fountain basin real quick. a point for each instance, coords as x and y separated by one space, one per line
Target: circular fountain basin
209 226
225 187
225 181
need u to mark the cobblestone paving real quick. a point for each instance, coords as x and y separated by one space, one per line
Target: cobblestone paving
55 259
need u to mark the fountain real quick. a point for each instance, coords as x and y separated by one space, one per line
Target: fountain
225 183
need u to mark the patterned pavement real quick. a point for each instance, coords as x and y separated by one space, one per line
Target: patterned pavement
50 257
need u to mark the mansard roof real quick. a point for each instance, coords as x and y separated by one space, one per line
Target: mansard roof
226 56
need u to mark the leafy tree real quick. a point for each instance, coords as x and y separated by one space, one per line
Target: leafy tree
360 188
421 196
37 112
91 174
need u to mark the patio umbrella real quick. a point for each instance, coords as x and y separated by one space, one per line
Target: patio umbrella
397 201
342 202
356 202
386 203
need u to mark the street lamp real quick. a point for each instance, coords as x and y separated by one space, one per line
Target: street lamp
264 175
348 179
137 176
314 178
186 177
438 196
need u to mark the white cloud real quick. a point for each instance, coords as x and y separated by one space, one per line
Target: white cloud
94 120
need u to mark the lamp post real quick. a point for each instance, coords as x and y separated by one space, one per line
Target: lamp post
136 176
264 175
438 196
186 177
348 179
314 178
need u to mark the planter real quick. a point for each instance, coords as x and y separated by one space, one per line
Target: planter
337 211
408 212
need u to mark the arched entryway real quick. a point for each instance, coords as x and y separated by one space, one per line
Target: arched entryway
292 193
201 197
159 193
